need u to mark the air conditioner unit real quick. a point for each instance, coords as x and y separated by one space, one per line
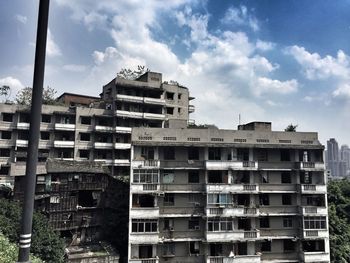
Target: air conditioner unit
196 227
161 194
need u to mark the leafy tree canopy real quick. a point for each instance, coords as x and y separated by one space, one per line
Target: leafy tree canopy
46 244
291 128
24 96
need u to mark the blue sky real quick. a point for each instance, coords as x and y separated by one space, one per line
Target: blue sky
267 60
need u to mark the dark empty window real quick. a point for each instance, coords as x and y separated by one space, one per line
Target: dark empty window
265 246
261 155
286 199
85 120
169 95
264 199
193 224
194 247
287 221
285 155
4 170
214 154
286 178
170 110
264 222
7 117
84 154
169 153
169 200
24 117
46 118
193 153
193 177
216 177
6 135
305 177
44 136
4 152
85 136
288 245
179 96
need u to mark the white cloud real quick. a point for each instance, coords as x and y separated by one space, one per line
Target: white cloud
22 19
52 49
266 85
264 46
315 67
13 83
240 16
343 91
74 68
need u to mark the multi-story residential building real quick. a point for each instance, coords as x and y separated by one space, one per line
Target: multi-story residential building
345 158
87 132
217 196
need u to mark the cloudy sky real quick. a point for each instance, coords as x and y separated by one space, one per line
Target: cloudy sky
267 60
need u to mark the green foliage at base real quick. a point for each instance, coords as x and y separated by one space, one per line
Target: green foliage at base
46 244
9 252
339 220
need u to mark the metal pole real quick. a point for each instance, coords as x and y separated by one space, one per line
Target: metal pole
34 131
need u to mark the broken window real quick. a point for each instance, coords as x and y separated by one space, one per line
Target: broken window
85 199
169 95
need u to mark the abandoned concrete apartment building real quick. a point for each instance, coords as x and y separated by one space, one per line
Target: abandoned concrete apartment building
197 194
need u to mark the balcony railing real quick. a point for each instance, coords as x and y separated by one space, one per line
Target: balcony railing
149 100
277 188
144 212
317 256
314 210
182 187
235 259
23 126
120 129
129 114
100 128
232 211
182 164
129 98
232 235
64 126
278 210
234 165
144 238
144 260
323 233
313 188
103 145
122 146
154 116
191 108
312 166
183 211
21 143
63 144
236 188
145 163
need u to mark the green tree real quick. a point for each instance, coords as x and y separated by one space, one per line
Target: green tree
46 244
291 128
339 220
24 96
5 91
9 252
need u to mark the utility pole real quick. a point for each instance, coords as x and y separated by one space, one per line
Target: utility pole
34 131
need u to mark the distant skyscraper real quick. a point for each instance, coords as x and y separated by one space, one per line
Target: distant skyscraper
333 157
345 157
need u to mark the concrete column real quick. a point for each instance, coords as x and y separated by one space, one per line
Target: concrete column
251 248
251 154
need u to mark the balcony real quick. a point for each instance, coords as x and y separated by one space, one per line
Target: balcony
315 257
276 166
190 164
235 259
105 161
21 143
233 165
144 212
129 114
120 129
145 164
143 238
144 260
280 233
23 126
103 145
100 128
317 233
189 235
312 166
178 211
129 98
191 108
232 188
182 188
278 188
278 210
122 146
313 189
234 235
63 144
121 162
154 116
155 101
313 210
64 126
144 188
232 211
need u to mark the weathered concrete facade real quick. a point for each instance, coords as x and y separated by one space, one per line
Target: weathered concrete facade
210 195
